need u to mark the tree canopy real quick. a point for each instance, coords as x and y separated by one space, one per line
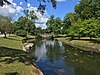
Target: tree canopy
54 25
85 21
5 25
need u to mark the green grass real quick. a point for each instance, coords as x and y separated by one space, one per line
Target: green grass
84 43
31 36
13 60
11 42
12 68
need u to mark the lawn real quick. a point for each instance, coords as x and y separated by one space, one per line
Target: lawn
13 60
84 43
11 42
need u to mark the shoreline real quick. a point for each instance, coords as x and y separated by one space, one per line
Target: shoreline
33 69
81 45
12 53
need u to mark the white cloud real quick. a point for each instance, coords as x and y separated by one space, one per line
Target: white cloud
14 4
11 10
19 9
42 19
7 10
21 3
28 4
15 10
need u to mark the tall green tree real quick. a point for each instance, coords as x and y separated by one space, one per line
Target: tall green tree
68 20
54 25
91 28
30 15
85 21
50 23
24 24
76 29
88 8
26 12
57 26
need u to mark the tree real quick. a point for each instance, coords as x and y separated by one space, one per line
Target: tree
68 20
26 12
30 15
3 2
54 25
88 8
50 23
5 25
76 29
33 16
91 28
85 21
24 24
57 26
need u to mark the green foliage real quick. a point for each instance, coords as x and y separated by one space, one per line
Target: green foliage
75 30
91 27
88 8
30 15
85 21
68 20
25 24
22 33
5 25
54 25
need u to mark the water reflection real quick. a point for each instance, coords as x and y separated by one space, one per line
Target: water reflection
57 58
40 52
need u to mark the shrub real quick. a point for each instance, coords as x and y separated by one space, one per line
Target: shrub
22 33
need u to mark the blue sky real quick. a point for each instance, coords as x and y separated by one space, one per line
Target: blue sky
16 9
63 6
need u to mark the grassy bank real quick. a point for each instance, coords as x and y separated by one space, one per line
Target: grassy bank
11 42
13 60
84 43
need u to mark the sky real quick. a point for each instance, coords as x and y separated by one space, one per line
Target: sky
15 10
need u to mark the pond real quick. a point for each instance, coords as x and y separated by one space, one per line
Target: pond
58 58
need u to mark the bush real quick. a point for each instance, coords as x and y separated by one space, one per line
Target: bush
38 36
22 33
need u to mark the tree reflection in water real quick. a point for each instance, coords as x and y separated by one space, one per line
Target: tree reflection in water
61 59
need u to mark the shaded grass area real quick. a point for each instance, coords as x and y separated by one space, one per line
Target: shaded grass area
84 43
84 63
13 60
11 42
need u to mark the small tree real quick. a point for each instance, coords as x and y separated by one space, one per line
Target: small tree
5 25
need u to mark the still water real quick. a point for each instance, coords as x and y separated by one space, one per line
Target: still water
58 58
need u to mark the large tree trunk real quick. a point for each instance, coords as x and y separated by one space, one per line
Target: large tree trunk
90 37
72 37
79 37
5 35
